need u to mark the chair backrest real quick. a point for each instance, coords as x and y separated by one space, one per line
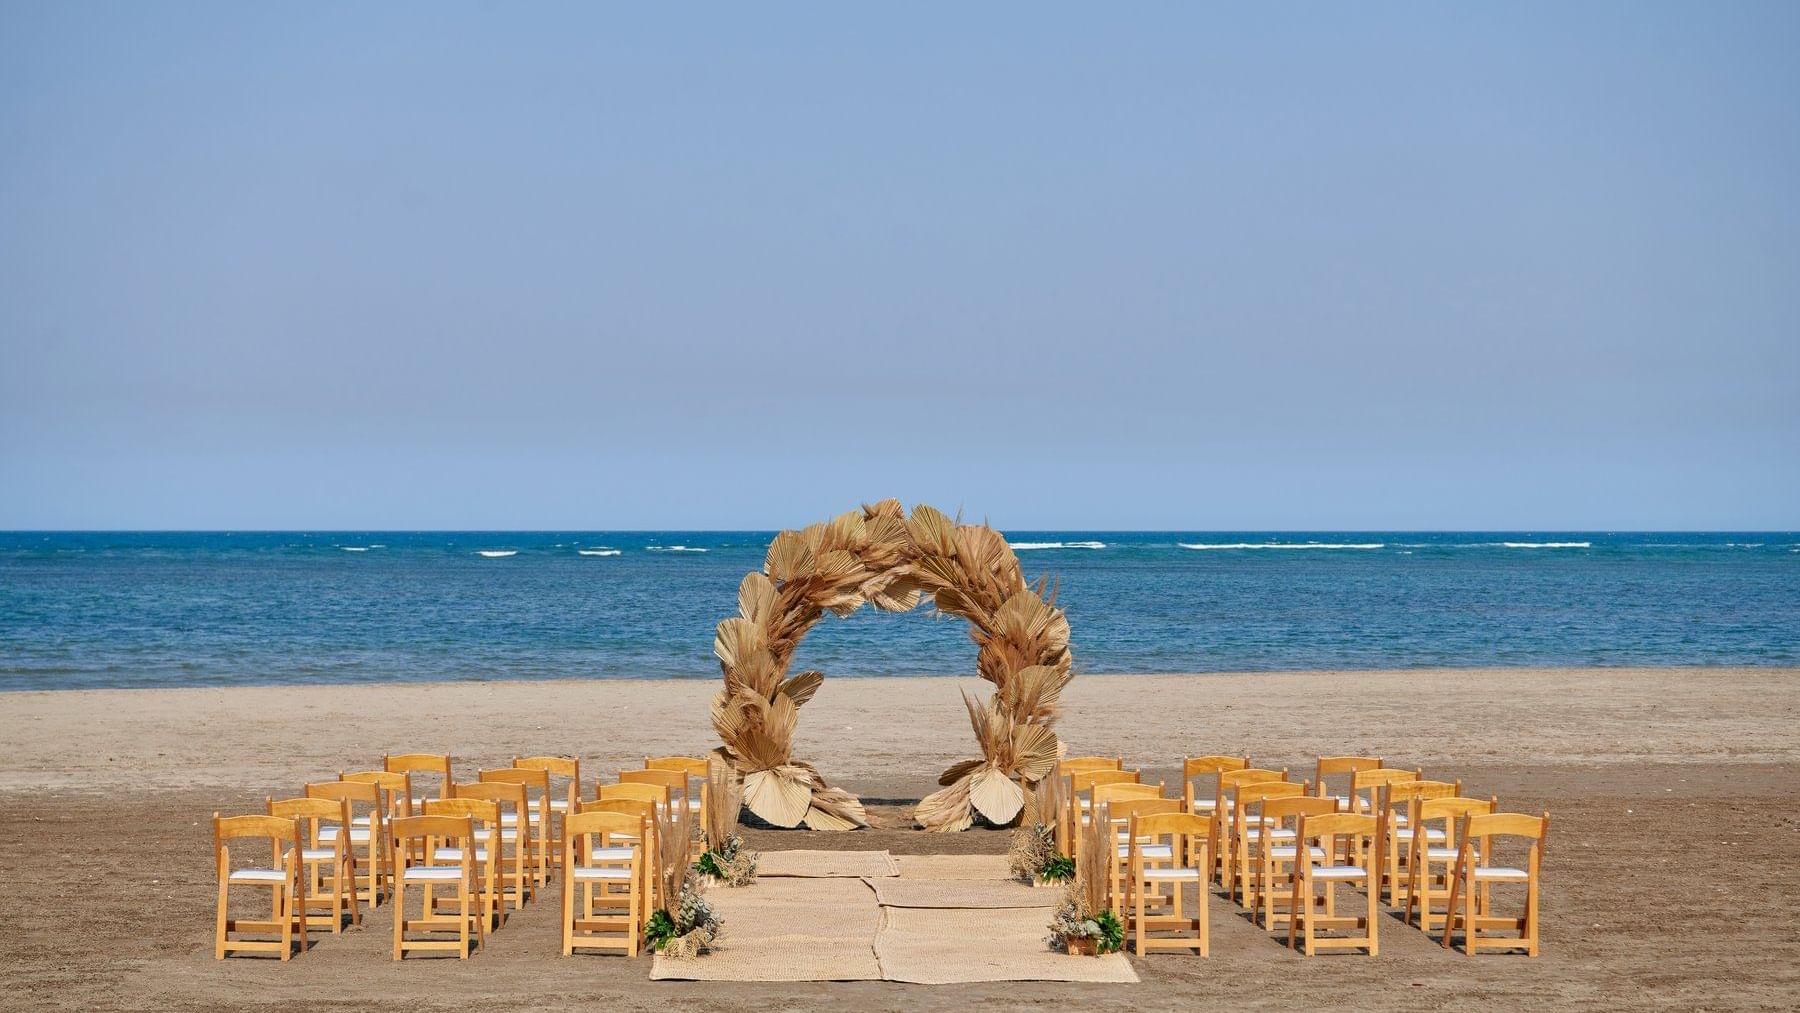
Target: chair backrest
630 806
655 794
1184 830
674 780
506 793
396 785
1082 780
460 828
1507 825
437 764
1450 811
1331 765
356 793
484 812
275 829
1122 810
1122 790
1372 780
561 766
1287 809
604 823
1361 829
692 766
1195 766
308 813
1078 764
1231 780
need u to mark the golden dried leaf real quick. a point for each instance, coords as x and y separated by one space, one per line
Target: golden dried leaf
995 796
779 796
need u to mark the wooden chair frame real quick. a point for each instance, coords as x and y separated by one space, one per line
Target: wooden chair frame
1188 834
1275 867
518 883
562 803
1475 874
438 764
646 810
430 834
536 782
1081 764
1251 833
1427 883
338 894
1337 766
374 879
697 768
587 835
288 905
1194 768
1225 783
1397 806
1120 813
1308 910
484 817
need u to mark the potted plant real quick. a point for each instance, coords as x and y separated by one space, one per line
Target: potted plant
725 859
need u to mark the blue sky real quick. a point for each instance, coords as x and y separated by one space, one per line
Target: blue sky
1160 266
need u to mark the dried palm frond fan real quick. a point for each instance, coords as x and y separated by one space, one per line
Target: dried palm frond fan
880 556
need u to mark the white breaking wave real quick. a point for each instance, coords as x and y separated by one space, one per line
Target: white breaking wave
672 548
598 552
356 548
1548 545
1023 546
496 553
1282 545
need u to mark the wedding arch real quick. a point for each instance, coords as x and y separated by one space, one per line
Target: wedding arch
880 556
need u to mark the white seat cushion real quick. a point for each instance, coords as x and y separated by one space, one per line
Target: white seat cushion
1501 872
1407 834
1206 803
455 854
1172 874
258 876
358 835
432 873
507 834
1148 851
361 821
318 854
612 854
1275 833
560 805
1339 872
1442 854
511 819
1289 851
602 872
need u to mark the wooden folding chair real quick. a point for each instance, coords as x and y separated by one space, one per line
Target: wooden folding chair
484 816
1088 780
328 867
646 810
432 765
1101 795
536 782
1275 867
1185 836
1311 907
1397 805
1338 766
1475 875
595 856
674 780
282 876
431 835
1225 784
562 801
1434 856
517 879
1120 813
1251 832
369 831
1206 768
696 768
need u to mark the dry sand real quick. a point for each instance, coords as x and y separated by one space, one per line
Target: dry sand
1671 877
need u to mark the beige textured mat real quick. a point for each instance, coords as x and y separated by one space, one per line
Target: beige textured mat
961 893
938 946
953 867
788 929
826 864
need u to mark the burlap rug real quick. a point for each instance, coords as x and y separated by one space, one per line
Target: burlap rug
943 946
788 929
826 864
991 867
961 893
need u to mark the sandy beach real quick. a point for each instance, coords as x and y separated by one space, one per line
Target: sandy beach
1670 877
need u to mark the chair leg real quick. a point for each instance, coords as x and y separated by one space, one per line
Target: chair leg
399 900
219 931
462 921
283 894
1374 926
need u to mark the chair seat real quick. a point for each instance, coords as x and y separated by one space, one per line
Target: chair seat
1172 874
507 834
1148 851
560 805
1274 833
1442 854
360 821
258 876
511 819
318 854
1290 850
358 835
455 854
1501 872
612 854
602 872
1206 803
1407 834
1339 872
432 873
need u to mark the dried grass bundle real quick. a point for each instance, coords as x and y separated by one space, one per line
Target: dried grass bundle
724 797
674 852
1093 870
880 556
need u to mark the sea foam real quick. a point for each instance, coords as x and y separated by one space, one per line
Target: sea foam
672 548
598 552
496 553
1548 545
1025 546
1281 545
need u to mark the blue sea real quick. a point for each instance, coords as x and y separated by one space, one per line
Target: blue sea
218 608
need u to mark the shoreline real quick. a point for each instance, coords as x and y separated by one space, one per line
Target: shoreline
688 680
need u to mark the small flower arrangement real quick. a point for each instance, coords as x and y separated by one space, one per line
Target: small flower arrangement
725 859
730 863
690 930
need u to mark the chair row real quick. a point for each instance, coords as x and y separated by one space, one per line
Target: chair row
1281 847
491 844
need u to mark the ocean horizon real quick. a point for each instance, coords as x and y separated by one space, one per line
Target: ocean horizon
99 609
